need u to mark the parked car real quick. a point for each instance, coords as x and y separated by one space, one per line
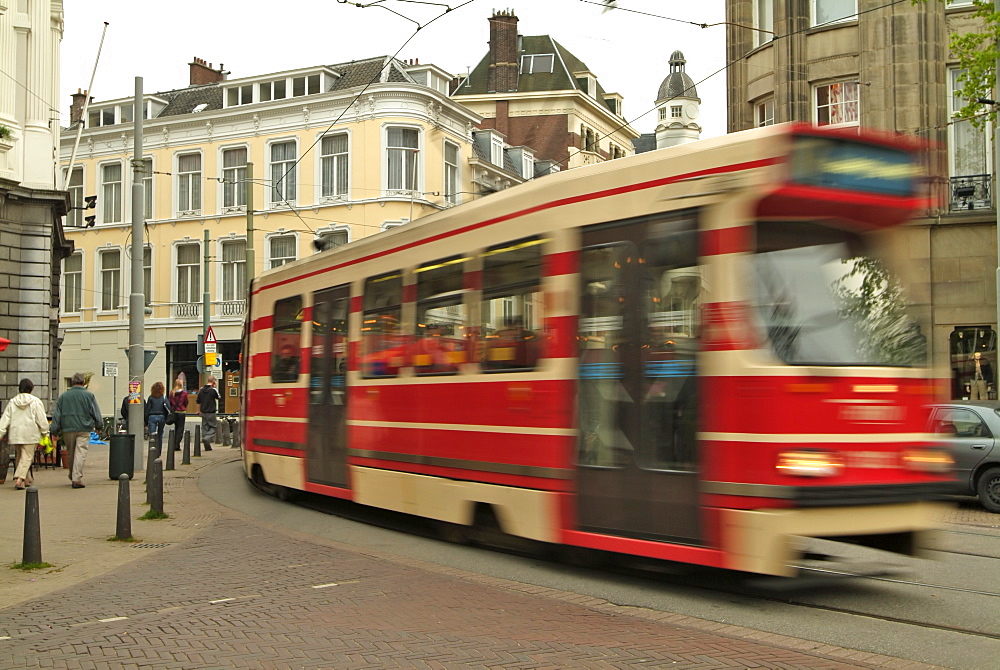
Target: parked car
971 429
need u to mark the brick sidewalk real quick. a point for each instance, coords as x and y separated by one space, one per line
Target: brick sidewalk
225 590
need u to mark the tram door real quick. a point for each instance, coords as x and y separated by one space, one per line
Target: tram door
641 288
326 456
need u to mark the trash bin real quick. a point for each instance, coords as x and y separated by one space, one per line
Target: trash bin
121 455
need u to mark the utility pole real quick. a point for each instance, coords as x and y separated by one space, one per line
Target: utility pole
205 304
249 246
137 297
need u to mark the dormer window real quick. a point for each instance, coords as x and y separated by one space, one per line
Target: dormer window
535 63
675 112
496 150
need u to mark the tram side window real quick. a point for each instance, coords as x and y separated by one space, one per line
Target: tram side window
673 291
441 341
383 344
512 311
286 340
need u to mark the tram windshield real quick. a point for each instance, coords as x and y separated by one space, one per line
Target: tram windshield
823 298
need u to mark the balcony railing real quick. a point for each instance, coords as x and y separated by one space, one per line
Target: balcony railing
185 310
231 307
970 192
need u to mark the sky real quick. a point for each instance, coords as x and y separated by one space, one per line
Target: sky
627 50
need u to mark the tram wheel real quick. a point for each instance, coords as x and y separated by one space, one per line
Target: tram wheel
455 533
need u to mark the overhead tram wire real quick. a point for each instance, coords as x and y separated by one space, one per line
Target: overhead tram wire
723 68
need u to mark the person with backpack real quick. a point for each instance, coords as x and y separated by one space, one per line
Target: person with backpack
178 406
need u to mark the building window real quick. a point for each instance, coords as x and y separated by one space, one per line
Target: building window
75 187
234 270
281 250
188 272
307 85
832 11
496 150
147 275
675 111
147 188
73 283
763 19
283 177
331 239
234 174
111 193
663 113
402 153
765 113
111 278
239 95
189 183
334 165
531 64
272 90
451 185
968 147
837 104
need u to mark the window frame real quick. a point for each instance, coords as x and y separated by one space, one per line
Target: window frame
813 22
340 172
452 178
290 332
286 182
269 240
235 267
491 361
830 106
404 188
105 274
74 218
193 270
193 181
68 289
113 214
532 68
765 22
765 108
232 185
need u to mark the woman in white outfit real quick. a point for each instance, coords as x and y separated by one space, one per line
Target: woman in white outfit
24 423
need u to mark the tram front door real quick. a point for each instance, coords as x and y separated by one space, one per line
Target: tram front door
326 455
637 398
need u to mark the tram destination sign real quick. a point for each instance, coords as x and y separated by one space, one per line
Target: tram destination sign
853 166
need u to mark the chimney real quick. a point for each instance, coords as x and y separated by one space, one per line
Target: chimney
204 73
76 108
504 61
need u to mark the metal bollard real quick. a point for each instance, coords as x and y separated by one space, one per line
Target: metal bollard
170 438
124 528
236 434
150 457
170 458
156 488
32 547
186 457
197 440
224 425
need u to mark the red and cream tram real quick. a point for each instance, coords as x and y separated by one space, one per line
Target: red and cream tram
673 355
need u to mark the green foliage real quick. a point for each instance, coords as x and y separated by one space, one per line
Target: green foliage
154 515
977 54
5 132
871 298
30 566
115 538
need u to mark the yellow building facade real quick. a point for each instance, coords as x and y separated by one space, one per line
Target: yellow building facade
338 153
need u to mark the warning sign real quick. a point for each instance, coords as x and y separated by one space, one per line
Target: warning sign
210 336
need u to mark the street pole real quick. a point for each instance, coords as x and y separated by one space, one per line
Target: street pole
249 246
205 303
137 297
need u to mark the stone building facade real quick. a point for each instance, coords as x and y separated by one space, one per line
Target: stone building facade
887 66
31 239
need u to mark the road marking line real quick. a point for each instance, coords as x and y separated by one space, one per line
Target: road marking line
114 618
323 586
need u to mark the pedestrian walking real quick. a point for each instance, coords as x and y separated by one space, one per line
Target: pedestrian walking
178 406
24 425
76 416
208 405
156 413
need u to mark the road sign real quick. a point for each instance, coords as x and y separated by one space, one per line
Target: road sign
210 336
148 357
110 369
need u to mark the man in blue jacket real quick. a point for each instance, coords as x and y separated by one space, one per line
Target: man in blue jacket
76 415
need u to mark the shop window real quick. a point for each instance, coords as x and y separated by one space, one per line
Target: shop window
972 375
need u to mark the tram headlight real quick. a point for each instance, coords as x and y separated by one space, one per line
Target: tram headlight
928 460
812 463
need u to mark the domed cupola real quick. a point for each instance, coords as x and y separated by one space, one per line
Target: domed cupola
677 104
678 84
